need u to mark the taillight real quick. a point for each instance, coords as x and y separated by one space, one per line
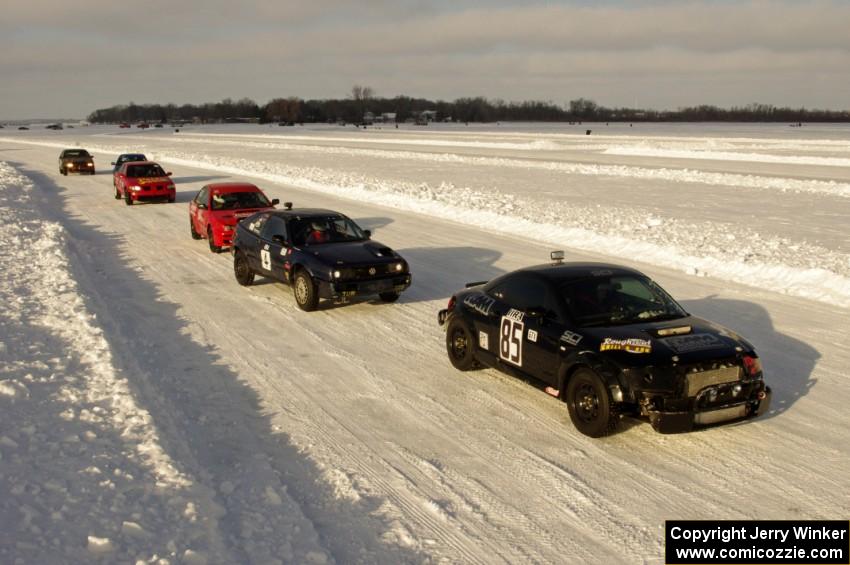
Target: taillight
451 305
752 365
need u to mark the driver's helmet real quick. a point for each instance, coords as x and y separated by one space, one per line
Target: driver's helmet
318 226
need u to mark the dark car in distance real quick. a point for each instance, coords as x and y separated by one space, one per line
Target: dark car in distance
607 340
321 253
76 161
126 158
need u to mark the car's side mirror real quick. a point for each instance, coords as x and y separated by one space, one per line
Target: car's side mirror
367 233
277 238
275 201
202 206
112 163
168 174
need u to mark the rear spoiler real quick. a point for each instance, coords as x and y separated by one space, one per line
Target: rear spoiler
479 283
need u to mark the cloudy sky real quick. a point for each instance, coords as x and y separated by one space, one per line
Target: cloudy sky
65 59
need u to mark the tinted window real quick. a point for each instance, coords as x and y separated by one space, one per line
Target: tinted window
274 226
615 300
203 196
140 171
329 229
236 200
525 293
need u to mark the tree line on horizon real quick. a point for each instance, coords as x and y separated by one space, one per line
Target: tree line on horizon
362 100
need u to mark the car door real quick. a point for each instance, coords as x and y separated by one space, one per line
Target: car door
251 245
273 248
198 209
530 324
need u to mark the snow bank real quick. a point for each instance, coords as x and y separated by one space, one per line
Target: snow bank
78 456
707 249
648 151
760 182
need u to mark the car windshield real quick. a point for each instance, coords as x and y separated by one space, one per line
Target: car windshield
145 171
76 153
328 229
617 300
235 200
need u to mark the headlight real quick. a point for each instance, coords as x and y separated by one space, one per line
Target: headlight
227 228
90 164
337 274
69 165
399 267
136 188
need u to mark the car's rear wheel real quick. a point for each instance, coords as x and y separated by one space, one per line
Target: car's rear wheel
460 344
195 235
305 291
213 247
590 406
389 296
242 270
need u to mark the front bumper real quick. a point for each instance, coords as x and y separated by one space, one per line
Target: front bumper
152 194
343 290
671 422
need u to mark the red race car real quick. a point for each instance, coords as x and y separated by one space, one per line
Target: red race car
217 208
145 180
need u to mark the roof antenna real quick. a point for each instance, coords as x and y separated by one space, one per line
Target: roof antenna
557 257
287 205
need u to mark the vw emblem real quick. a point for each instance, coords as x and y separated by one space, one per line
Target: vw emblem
372 270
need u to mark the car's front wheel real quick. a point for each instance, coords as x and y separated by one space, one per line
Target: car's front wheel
389 296
460 344
242 270
128 200
117 194
590 406
305 291
213 247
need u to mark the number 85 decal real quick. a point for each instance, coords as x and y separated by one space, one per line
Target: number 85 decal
510 337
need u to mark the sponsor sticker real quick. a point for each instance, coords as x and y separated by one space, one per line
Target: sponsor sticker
695 342
631 345
481 303
532 336
515 315
483 340
570 338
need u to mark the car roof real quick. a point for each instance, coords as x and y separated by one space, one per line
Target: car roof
131 155
134 163
233 187
74 149
305 213
565 272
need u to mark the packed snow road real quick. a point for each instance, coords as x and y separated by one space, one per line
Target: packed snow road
345 434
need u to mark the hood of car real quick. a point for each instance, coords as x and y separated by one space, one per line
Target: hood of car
353 253
233 216
690 339
143 181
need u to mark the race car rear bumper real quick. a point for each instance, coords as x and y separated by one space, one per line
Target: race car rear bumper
678 422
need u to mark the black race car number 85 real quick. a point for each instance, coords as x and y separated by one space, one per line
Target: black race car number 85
510 337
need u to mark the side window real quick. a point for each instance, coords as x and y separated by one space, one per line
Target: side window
525 292
257 224
274 226
201 198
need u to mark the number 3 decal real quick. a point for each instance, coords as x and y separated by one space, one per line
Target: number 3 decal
510 341
266 259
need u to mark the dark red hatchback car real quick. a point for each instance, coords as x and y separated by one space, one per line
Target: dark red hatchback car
217 208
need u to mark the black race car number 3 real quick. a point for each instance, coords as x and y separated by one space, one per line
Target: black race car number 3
510 340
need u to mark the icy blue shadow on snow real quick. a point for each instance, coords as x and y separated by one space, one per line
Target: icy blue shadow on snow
788 362
195 400
468 264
